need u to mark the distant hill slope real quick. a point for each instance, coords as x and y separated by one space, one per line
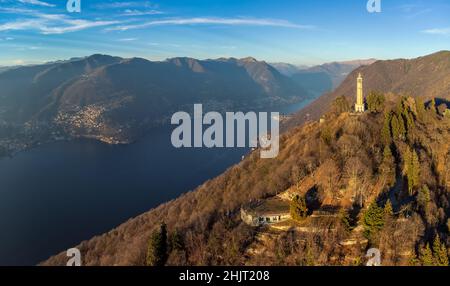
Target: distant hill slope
326 77
322 78
114 99
427 76
2 69
288 69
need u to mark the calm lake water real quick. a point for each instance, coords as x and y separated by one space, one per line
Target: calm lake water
54 196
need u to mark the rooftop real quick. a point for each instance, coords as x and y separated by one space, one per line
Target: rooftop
273 206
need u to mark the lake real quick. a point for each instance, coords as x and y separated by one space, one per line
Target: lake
56 195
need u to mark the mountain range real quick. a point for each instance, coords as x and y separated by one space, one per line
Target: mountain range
114 99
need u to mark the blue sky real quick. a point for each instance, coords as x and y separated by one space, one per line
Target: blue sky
295 31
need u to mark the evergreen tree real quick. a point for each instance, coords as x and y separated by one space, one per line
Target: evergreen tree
345 219
388 210
176 241
400 106
439 252
157 247
388 166
395 127
411 169
398 127
426 256
386 131
298 208
373 220
375 102
341 105
423 197
420 107
407 167
402 128
415 172
410 125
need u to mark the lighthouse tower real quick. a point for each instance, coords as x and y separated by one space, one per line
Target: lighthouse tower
359 106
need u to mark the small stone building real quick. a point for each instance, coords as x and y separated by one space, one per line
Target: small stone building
271 211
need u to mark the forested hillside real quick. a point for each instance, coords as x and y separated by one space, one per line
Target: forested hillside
386 172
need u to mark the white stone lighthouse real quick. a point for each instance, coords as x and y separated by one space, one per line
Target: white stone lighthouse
359 106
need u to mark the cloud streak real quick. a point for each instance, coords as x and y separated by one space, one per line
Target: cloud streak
214 21
126 4
54 24
37 2
134 12
438 31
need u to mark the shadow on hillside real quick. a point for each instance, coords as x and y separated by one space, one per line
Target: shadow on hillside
313 199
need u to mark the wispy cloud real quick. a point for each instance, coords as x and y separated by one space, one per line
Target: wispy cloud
15 10
411 11
214 21
438 31
54 24
128 39
135 12
37 2
126 4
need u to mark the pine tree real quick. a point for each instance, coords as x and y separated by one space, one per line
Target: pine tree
410 122
411 169
415 172
388 166
423 197
341 105
407 165
373 220
398 127
420 107
395 127
426 256
345 219
157 247
386 131
176 241
402 128
388 210
439 252
375 102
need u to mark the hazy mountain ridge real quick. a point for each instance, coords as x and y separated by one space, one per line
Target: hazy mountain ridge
115 100
322 78
288 69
